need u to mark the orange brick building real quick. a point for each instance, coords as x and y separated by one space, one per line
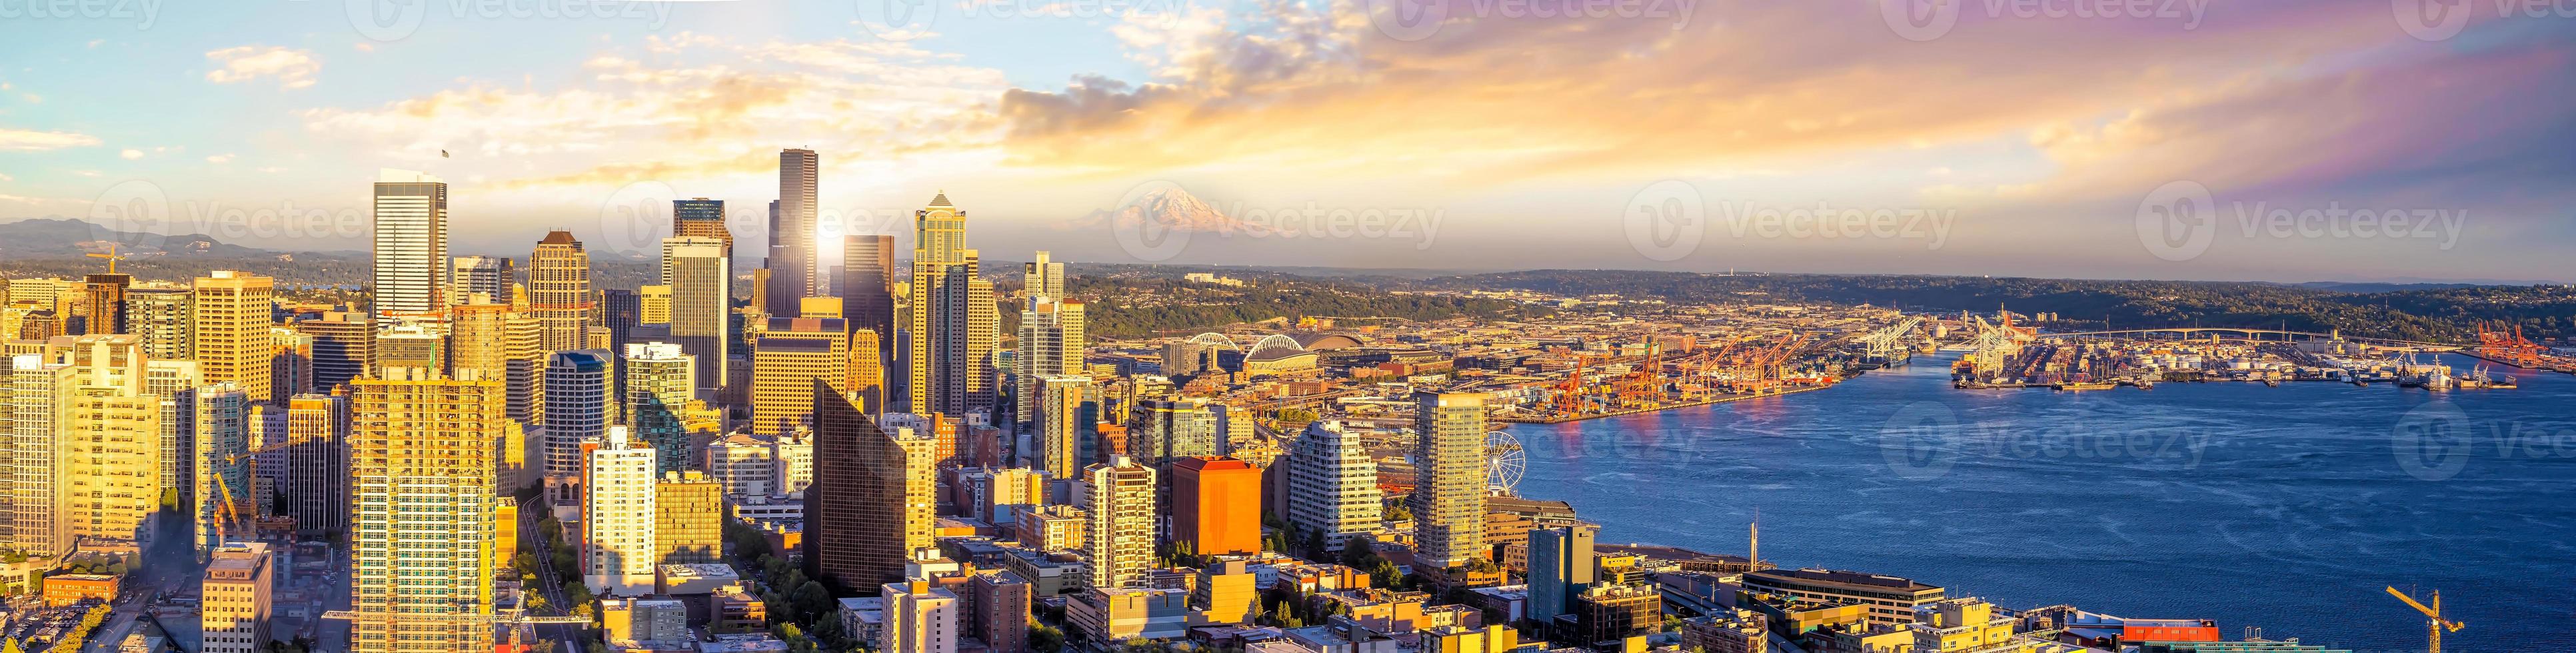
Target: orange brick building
1216 506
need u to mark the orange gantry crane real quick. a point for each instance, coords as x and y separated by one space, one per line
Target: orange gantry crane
2508 346
2433 613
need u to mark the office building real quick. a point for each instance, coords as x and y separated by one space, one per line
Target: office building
103 301
232 341
410 246
1042 277
1216 506
1607 614
412 344
660 381
107 439
344 347
35 389
1051 344
1729 631
1172 429
867 287
867 372
1332 485
1890 600
234 602
1122 529
1560 566
919 618
1065 414
577 411
653 303
499 343
688 522
176 384
952 318
422 519
701 314
870 505
290 363
165 315
787 360
559 292
618 549
317 428
489 276
700 218
792 233
1448 500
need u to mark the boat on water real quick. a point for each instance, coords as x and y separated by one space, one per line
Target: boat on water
2078 386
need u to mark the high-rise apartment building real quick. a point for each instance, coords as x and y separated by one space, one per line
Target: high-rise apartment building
701 314
233 344
34 492
1051 343
998 610
1448 499
919 618
1043 277
165 315
870 505
1122 523
107 434
1064 416
499 343
1216 506
410 246
317 428
234 602
103 301
792 233
1332 484
422 512
577 410
176 384
953 319
791 356
559 292
618 516
994 495
660 380
688 518
489 276
223 499
344 347
867 287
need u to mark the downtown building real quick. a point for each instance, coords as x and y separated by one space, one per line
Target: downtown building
870 505
1448 500
232 339
1122 531
411 263
787 359
952 321
618 546
701 310
422 514
1332 486
792 234
578 402
559 294
660 381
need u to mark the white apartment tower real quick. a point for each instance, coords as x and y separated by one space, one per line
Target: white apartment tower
618 554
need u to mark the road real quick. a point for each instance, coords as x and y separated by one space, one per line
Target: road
567 637
126 619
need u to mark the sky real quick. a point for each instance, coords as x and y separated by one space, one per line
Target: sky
2282 140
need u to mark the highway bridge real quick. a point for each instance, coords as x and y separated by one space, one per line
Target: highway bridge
2247 334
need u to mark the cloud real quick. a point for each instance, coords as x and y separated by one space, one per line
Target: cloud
220 158
131 154
26 140
291 68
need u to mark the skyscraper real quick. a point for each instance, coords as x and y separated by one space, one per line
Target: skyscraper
411 246
660 380
793 232
617 544
1332 484
103 300
559 292
1560 567
952 318
488 275
1216 506
165 315
176 383
290 363
344 347
577 410
108 435
870 504
700 312
317 428
791 356
491 341
867 287
236 599
867 372
34 496
1051 344
232 319
1448 499
421 516
1122 523
1042 277
700 218
688 517
1061 421
223 497
1172 429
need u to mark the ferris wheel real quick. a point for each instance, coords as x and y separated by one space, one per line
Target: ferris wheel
1505 462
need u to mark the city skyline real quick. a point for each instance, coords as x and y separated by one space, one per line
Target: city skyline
1982 159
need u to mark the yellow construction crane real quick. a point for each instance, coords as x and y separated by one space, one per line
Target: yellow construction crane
111 256
2434 643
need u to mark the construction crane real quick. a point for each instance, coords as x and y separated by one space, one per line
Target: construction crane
2434 613
111 256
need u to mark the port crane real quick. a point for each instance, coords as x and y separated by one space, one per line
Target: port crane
2434 614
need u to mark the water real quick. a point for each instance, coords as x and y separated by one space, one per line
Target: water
2286 508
